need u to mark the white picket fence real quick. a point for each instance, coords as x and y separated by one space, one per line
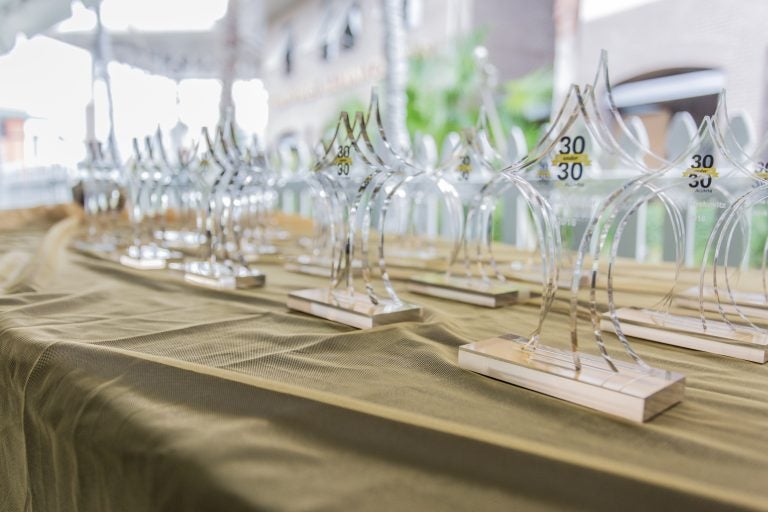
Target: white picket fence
34 186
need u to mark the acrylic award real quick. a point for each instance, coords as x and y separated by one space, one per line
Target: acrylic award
255 196
101 179
416 227
359 189
319 223
423 212
148 185
570 183
711 198
223 265
470 160
471 166
290 157
732 295
182 195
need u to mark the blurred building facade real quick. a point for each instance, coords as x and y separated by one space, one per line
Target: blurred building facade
323 53
676 55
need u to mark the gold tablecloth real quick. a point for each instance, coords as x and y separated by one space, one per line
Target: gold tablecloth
128 390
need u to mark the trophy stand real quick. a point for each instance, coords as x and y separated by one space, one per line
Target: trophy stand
620 390
353 179
713 194
225 266
101 187
259 190
184 190
146 205
468 172
628 389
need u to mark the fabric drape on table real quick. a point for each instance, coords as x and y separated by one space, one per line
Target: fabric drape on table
128 390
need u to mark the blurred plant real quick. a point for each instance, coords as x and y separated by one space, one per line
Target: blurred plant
351 105
444 95
526 103
442 89
759 235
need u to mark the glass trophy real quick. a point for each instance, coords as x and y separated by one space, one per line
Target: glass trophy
254 199
470 161
571 183
413 218
472 165
182 198
223 265
103 196
258 188
316 221
416 223
424 216
148 182
711 198
627 135
291 159
358 189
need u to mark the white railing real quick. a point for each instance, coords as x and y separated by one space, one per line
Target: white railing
34 186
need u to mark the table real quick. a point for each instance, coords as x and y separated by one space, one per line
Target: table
128 390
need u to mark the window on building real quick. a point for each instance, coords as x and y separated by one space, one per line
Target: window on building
329 46
325 50
353 22
288 56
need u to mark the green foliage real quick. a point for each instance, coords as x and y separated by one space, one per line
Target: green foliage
444 93
527 102
655 219
442 90
350 105
758 235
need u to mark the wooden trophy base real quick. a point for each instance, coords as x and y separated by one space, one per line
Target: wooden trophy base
149 258
320 267
266 257
534 277
220 277
185 241
752 305
100 250
356 310
688 332
468 290
631 393
143 263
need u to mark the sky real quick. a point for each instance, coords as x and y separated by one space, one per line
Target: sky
149 15
593 9
51 81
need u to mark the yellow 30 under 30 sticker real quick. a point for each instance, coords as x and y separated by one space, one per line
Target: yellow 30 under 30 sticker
464 167
579 158
343 161
761 173
571 159
701 172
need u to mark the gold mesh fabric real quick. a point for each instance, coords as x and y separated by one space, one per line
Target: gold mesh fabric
124 390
